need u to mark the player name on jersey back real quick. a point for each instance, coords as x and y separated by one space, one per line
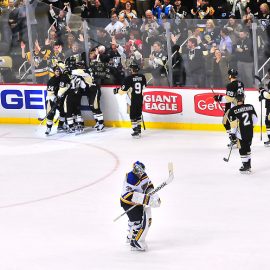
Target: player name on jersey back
243 109
137 79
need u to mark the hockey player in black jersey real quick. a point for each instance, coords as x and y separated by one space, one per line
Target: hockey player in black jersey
53 103
242 118
232 88
74 89
265 94
98 72
135 189
133 86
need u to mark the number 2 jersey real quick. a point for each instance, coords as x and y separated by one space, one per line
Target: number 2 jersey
243 117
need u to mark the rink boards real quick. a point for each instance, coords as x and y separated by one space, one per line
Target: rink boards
168 108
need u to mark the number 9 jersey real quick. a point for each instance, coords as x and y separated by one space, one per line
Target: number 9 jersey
135 85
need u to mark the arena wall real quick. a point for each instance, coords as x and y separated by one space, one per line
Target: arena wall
164 108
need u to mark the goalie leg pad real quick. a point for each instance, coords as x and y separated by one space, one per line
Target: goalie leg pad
133 228
138 240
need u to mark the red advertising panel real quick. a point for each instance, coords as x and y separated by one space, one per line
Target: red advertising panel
206 105
161 102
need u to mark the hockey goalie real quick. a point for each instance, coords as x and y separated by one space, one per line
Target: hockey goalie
136 192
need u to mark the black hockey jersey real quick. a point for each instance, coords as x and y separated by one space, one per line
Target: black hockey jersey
233 87
53 85
64 84
158 64
246 117
137 82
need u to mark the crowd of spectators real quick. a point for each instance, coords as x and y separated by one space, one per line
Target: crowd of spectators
206 37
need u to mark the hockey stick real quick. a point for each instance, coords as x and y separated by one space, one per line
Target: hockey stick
260 80
231 147
45 117
158 188
142 113
143 124
228 158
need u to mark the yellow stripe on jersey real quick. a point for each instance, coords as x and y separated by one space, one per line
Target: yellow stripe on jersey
140 180
125 199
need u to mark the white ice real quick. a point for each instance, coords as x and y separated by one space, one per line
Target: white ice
60 194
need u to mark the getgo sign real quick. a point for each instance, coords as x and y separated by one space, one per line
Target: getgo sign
206 105
161 102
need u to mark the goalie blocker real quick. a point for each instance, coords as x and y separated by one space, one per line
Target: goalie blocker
146 200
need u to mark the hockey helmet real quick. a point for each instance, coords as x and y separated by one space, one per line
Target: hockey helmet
240 95
138 168
71 63
134 67
233 72
80 64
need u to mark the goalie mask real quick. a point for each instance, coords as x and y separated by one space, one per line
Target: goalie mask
138 168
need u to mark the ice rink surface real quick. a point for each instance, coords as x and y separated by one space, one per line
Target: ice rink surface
60 194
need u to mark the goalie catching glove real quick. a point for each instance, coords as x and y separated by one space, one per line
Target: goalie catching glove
145 199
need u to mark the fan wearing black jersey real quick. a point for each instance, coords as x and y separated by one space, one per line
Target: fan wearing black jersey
242 118
133 86
232 88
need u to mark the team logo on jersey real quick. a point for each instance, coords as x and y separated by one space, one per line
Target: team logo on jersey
161 102
206 105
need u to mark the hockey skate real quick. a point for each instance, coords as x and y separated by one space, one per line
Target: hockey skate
246 168
61 129
96 125
100 128
48 131
71 130
267 143
136 133
79 129
138 245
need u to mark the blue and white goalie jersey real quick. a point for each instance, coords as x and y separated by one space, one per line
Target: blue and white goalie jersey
134 183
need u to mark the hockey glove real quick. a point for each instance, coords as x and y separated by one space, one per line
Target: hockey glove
155 201
116 90
232 137
261 96
51 97
217 98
